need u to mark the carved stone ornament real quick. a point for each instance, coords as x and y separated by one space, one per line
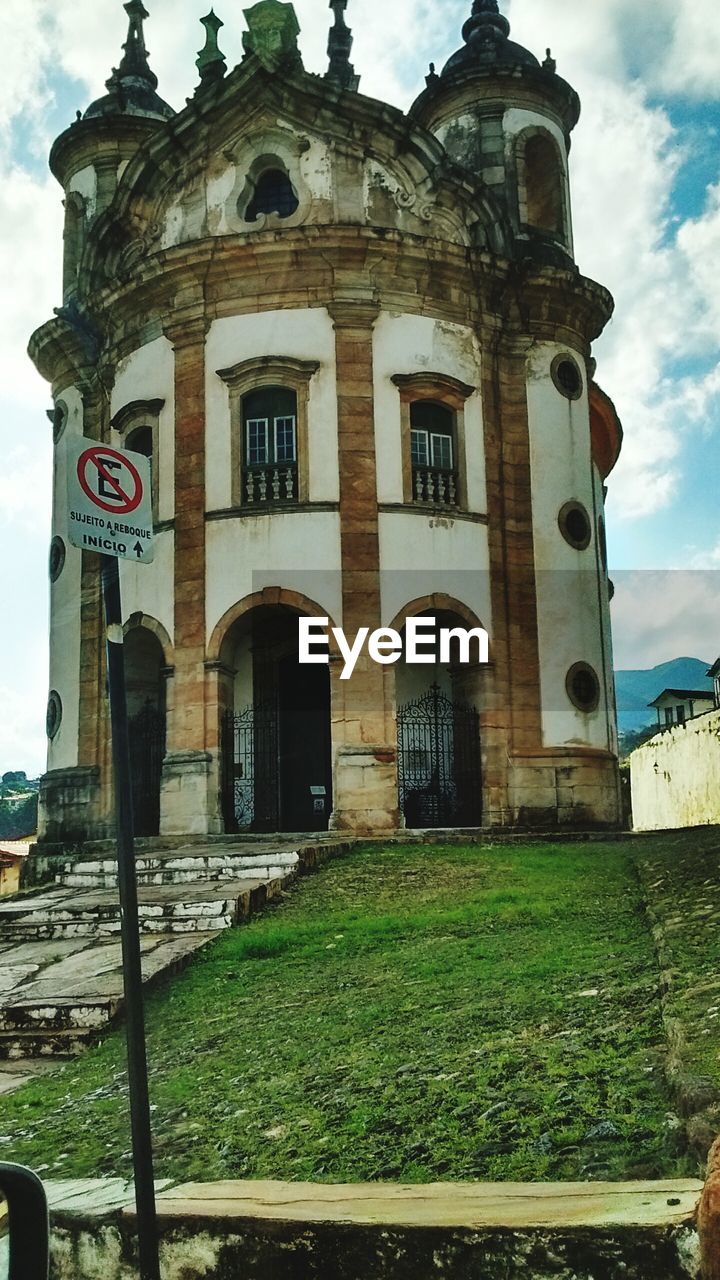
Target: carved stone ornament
272 32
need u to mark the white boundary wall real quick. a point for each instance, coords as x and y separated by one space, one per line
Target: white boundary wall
676 777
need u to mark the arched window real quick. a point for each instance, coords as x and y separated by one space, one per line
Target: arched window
544 182
270 445
141 441
138 425
433 452
274 193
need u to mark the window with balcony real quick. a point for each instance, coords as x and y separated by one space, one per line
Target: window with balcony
270 446
269 398
432 426
432 453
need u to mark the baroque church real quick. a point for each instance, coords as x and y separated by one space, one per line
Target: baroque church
355 346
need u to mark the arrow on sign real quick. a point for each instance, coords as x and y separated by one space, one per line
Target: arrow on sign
138 549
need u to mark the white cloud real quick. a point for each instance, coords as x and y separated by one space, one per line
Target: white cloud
667 614
22 719
691 61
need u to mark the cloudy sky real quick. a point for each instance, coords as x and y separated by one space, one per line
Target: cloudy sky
646 202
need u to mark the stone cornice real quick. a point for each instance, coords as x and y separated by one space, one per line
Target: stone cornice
354 271
494 86
272 366
58 353
129 413
426 383
85 141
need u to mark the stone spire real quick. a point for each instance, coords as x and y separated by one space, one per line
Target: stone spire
210 61
135 59
131 87
341 71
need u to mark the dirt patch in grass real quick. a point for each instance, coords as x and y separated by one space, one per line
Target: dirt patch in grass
413 1013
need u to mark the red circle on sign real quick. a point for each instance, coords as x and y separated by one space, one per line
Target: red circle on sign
126 502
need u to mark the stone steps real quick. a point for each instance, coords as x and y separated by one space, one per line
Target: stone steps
58 1014
60 955
187 869
173 909
66 1042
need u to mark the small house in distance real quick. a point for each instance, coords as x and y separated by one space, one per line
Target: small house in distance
714 674
676 706
12 856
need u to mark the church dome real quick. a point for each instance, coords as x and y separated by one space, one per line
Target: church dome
487 44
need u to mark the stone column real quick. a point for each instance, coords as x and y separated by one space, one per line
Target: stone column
189 795
365 795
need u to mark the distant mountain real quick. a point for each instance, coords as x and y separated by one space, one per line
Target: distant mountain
635 689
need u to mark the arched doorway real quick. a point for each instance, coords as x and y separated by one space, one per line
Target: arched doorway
145 686
276 744
439 748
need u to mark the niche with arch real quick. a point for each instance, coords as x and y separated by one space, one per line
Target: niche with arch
542 185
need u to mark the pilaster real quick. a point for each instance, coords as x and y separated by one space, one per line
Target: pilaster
363 711
190 783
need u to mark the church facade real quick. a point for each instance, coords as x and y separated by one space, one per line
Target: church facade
356 348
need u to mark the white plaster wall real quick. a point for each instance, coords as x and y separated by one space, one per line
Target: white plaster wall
149 374
416 344
518 118
299 551
85 183
65 596
570 627
149 588
418 555
302 334
675 777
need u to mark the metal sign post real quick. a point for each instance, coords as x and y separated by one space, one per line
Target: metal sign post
109 501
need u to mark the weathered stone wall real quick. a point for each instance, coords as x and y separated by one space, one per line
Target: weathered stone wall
676 777
620 1231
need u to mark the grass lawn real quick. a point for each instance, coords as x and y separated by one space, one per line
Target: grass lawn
414 1013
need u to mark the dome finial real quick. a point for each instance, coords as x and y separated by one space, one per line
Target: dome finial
340 41
132 85
135 57
486 25
210 61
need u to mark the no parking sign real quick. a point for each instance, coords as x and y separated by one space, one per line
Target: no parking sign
110 501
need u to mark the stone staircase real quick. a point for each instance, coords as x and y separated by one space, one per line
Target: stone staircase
60 950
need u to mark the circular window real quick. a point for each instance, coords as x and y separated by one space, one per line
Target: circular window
57 558
575 526
59 419
583 687
53 717
567 377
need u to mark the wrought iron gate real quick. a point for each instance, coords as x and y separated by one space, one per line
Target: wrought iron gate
250 768
146 732
439 776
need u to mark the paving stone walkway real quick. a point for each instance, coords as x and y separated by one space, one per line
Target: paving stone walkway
60 951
